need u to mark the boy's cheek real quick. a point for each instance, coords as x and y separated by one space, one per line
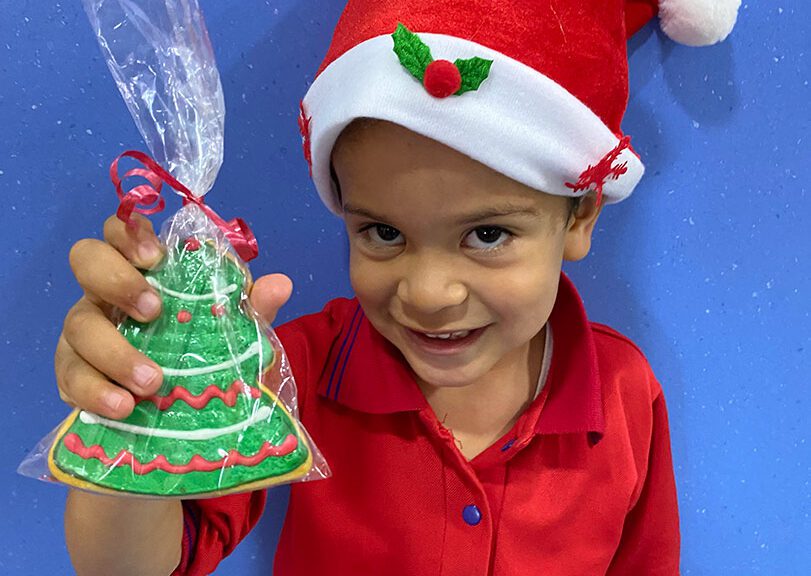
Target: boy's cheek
519 286
366 283
374 291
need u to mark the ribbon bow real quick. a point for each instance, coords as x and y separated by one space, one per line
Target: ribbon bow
146 199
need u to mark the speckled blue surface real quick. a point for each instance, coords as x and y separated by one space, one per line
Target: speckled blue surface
707 267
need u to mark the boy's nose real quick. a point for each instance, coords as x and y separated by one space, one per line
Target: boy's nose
429 291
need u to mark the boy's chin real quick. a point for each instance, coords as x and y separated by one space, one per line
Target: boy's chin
433 377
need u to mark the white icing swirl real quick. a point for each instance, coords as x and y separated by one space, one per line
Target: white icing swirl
262 413
230 289
252 350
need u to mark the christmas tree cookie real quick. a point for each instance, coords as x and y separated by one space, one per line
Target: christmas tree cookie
214 427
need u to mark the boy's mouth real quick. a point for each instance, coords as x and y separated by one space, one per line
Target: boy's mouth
448 335
444 342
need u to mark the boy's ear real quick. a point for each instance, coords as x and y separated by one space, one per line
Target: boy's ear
581 225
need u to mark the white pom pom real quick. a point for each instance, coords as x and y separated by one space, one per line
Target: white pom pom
698 22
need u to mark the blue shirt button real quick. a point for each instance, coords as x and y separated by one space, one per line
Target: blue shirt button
508 445
472 515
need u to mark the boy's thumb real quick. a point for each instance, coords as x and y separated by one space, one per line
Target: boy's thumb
269 293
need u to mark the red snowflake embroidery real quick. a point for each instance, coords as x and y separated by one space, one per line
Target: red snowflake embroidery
304 128
594 177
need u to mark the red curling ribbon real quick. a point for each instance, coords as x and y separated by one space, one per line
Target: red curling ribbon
146 199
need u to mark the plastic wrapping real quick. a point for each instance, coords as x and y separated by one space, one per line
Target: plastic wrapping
225 418
160 56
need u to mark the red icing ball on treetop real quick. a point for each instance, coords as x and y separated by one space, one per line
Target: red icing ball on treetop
184 316
442 78
192 244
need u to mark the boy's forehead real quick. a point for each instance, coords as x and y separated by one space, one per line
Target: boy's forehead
382 167
381 207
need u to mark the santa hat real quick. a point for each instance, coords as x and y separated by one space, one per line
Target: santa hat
534 89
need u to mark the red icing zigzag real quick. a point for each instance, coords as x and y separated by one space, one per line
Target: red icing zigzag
228 397
197 463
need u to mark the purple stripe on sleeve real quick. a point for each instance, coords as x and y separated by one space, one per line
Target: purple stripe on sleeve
346 358
341 350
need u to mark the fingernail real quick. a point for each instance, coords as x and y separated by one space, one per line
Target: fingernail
148 251
143 376
148 304
113 400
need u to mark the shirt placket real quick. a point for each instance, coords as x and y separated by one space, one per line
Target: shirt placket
467 541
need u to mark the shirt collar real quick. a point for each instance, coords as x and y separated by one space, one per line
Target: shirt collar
366 372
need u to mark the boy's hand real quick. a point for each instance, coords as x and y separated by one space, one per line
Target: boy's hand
96 368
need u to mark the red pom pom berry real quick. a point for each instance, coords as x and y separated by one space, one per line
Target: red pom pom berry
184 316
192 244
442 78
218 310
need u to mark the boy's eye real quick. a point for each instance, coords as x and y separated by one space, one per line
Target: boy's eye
384 234
486 237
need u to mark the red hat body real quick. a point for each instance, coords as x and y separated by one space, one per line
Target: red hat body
579 44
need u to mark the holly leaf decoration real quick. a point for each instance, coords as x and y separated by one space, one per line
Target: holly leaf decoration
474 71
413 53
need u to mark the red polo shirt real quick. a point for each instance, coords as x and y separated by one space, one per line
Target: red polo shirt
582 485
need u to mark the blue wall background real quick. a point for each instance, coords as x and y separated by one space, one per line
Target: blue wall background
706 266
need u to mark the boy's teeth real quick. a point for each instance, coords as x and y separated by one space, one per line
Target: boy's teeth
450 335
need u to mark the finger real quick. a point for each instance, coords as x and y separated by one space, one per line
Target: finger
62 356
93 337
269 293
138 244
107 276
84 387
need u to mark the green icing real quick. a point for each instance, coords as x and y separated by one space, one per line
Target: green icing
206 341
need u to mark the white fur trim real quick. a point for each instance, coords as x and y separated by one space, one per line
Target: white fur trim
698 22
519 122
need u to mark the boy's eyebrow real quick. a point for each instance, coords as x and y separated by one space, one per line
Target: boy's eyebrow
486 214
350 209
500 211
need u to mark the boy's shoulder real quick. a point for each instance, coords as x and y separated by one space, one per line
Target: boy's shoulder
331 317
309 340
623 365
317 331
610 338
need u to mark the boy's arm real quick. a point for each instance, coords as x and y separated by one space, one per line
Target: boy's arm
650 540
122 536
139 537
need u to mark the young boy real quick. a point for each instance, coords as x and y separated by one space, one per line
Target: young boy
474 420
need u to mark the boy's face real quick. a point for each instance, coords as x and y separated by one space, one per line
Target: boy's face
454 263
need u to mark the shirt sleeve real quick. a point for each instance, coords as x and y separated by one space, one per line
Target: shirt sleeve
650 542
212 528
